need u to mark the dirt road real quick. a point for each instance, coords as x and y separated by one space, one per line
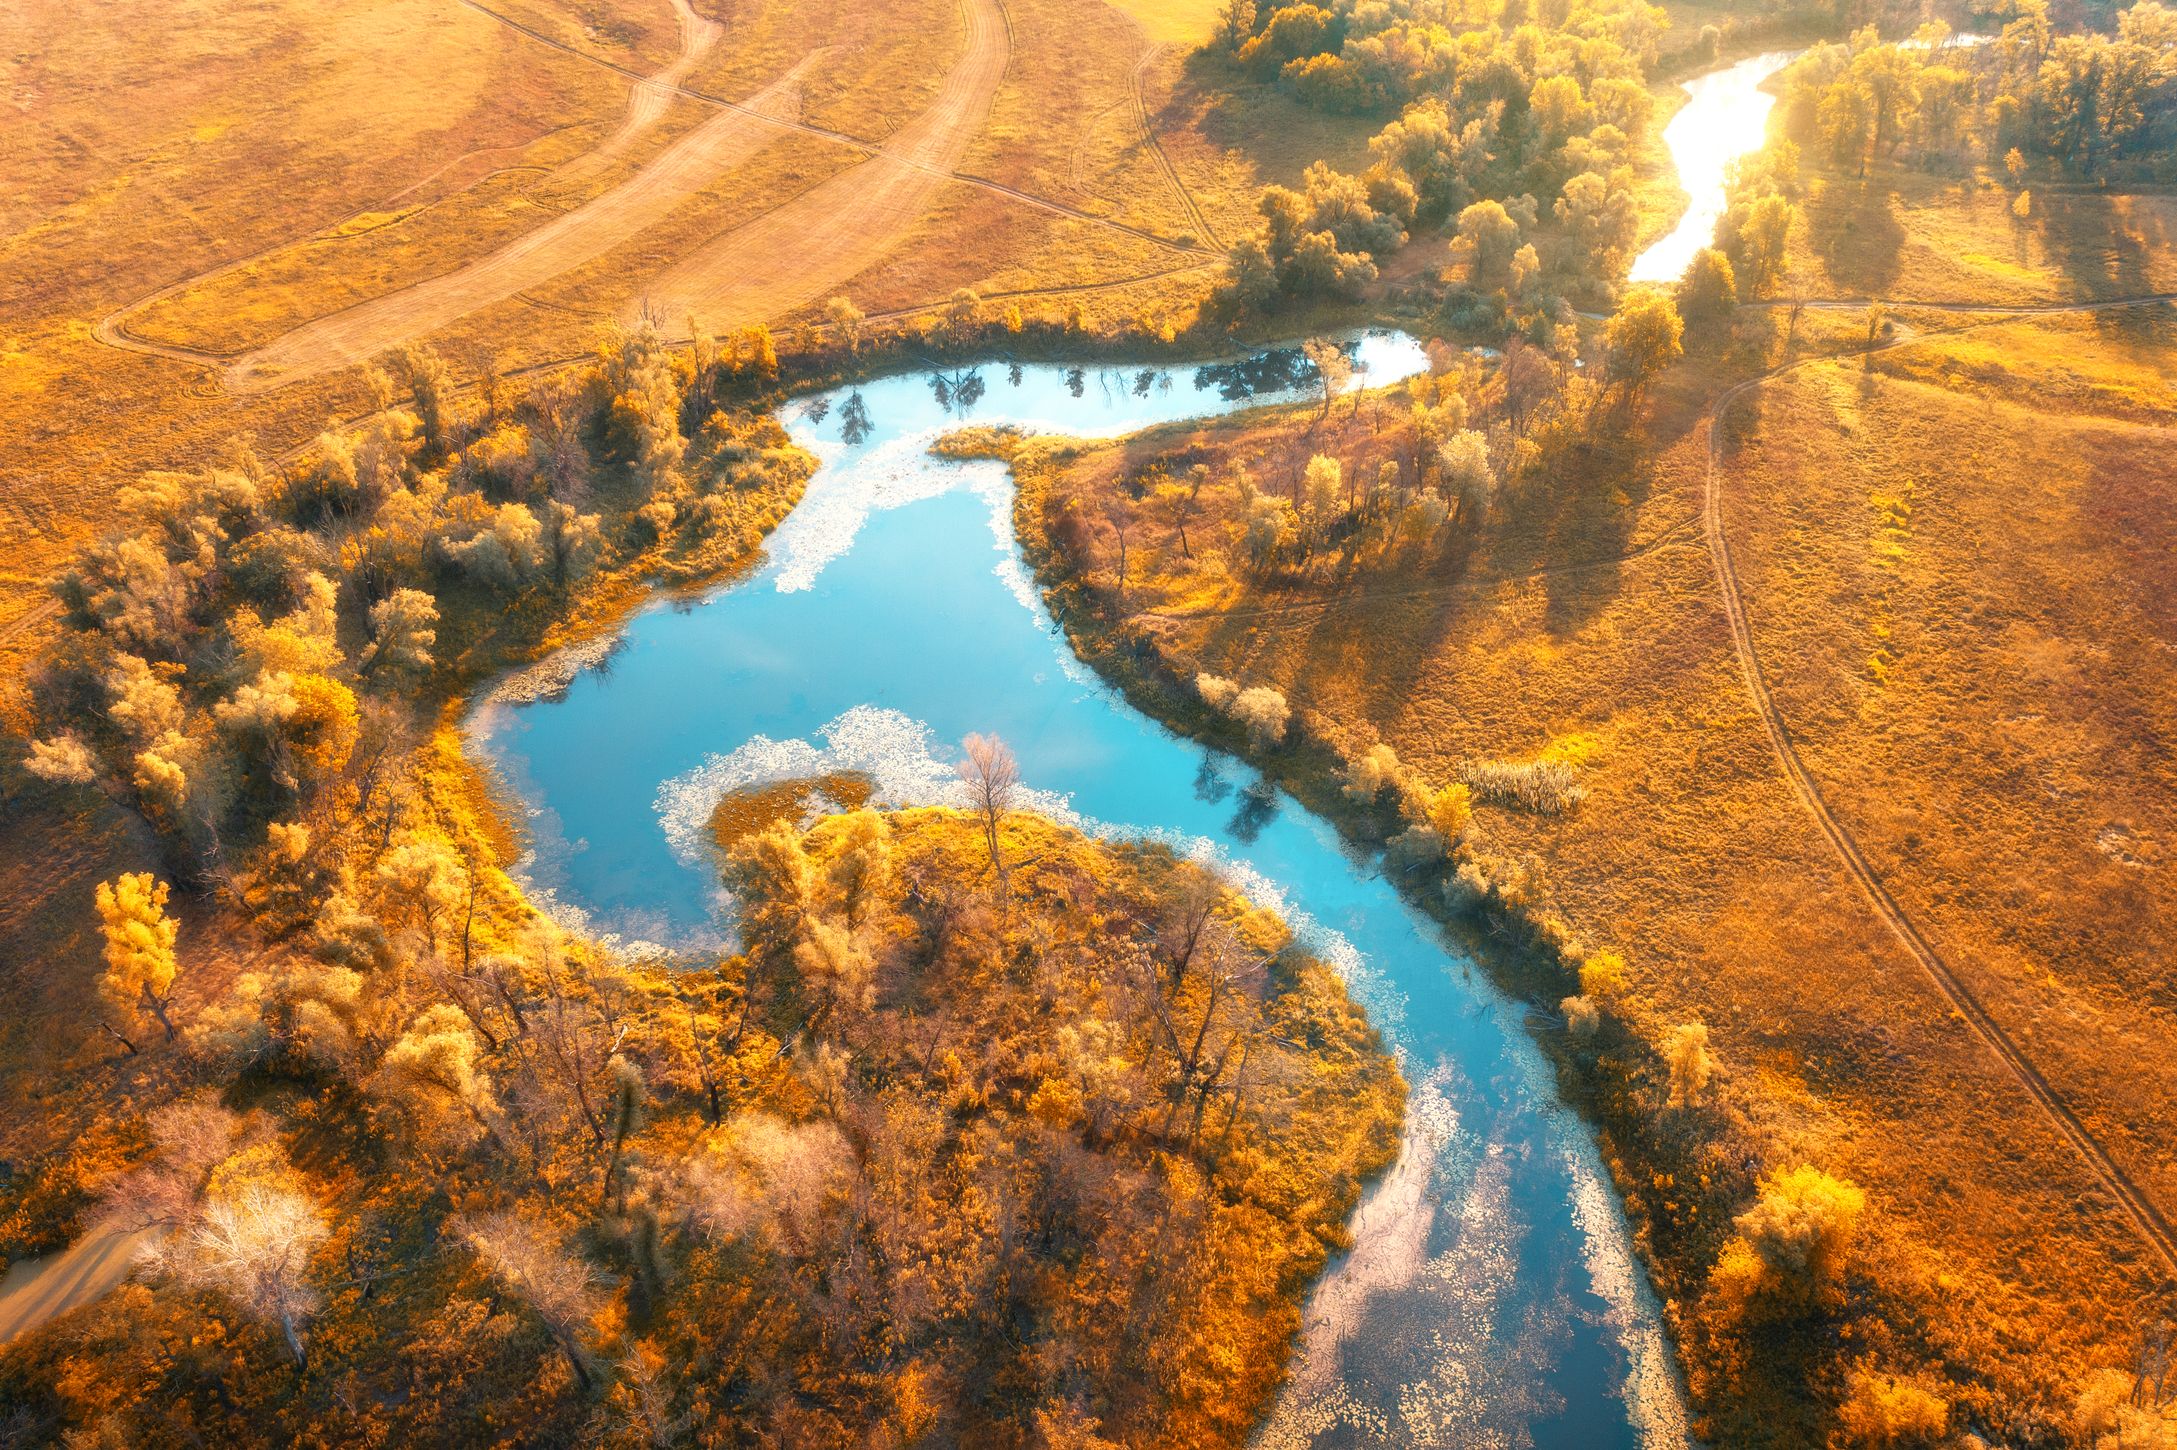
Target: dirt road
559 246
648 98
36 1290
797 253
2129 1199
1203 231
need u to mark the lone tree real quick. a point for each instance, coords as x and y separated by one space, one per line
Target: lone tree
1710 289
1333 370
993 780
846 320
530 1262
140 963
1692 1065
253 1243
1791 1247
1645 336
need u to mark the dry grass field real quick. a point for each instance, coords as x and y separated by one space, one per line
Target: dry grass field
1903 234
1957 572
283 195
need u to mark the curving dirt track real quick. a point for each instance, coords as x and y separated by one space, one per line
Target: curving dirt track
797 253
39 1289
648 98
2129 1199
1203 231
560 245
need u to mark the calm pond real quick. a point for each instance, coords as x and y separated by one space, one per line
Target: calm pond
1492 1296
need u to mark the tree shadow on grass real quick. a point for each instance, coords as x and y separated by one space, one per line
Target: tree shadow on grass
1854 227
2104 245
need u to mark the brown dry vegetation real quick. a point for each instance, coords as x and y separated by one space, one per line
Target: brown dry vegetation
266 173
1956 569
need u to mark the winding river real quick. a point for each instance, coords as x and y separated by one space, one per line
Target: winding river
1726 116
1492 1296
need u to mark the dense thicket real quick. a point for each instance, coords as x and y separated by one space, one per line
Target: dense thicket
2092 105
1499 118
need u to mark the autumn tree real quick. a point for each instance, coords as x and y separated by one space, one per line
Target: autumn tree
846 322
1488 238
1119 513
433 1072
1177 502
860 864
403 631
531 1263
1764 237
1321 482
1371 773
1890 1412
772 880
1333 372
836 974
426 876
140 963
1645 336
1792 1246
1692 1067
1599 217
1236 23
252 1241
189 1140
1709 291
431 386
1468 475
1263 712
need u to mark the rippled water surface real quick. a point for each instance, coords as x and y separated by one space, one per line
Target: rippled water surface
1491 1298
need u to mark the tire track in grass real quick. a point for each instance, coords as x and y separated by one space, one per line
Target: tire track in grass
797 252
562 244
2130 1200
1203 231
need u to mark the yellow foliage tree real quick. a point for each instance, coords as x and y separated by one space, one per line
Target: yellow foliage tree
1602 976
140 962
1882 1411
1451 811
325 723
1792 1245
1692 1066
432 1070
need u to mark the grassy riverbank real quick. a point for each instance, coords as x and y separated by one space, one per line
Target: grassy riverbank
1569 628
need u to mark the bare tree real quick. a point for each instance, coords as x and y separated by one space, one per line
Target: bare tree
529 1260
1187 920
577 1039
192 1138
993 780
1121 515
1206 1026
252 1244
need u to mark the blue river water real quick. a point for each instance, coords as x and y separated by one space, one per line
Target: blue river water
1491 1297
